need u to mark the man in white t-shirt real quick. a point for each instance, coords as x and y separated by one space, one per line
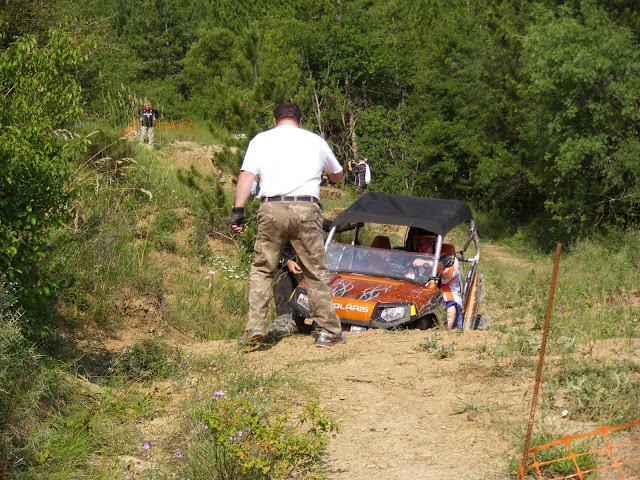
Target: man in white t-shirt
289 162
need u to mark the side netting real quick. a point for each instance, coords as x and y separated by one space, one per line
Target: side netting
614 452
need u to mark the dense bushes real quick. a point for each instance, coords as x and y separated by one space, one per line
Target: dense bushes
40 97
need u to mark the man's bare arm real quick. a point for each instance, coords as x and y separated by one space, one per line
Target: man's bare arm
335 177
243 188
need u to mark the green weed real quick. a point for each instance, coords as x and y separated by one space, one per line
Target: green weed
434 346
604 392
483 350
473 406
149 359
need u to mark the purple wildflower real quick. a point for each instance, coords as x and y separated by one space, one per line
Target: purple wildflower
269 454
146 445
204 426
178 454
198 396
219 394
239 434
562 308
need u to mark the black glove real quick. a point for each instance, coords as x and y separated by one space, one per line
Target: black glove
237 217
447 260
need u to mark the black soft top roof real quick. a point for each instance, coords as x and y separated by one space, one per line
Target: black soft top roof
433 214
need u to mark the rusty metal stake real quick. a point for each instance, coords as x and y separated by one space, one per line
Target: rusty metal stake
543 346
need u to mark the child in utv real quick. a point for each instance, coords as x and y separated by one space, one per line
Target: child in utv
423 241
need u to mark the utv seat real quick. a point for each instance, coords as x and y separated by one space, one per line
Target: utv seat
448 249
378 261
381 241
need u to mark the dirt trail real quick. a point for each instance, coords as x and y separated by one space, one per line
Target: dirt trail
396 403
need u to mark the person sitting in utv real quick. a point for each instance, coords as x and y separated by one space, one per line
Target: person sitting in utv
423 241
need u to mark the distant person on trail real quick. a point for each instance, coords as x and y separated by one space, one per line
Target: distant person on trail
289 162
423 241
147 115
362 173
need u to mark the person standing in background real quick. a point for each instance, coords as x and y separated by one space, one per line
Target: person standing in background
362 173
147 116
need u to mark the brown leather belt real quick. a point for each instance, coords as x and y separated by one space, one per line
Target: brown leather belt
283 198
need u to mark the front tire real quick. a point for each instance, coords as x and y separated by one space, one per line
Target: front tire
425 323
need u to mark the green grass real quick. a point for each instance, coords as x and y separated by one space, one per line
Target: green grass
603 391
212 306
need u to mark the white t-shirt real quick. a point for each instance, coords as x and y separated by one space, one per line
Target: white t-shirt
289 161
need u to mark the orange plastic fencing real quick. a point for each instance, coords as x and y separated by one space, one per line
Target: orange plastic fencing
186 123
132 127
616 451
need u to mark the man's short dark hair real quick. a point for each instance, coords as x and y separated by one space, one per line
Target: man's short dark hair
287 110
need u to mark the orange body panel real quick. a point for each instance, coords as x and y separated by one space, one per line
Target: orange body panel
356 296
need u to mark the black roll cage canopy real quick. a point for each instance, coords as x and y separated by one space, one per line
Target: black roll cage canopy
436 215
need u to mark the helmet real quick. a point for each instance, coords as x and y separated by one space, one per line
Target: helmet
419 239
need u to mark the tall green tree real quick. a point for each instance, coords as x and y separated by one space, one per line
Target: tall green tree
354 54
582 117
465 100
29 17
204 67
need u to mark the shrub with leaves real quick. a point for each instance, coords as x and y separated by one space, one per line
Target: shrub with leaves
39 98
252 436
149 359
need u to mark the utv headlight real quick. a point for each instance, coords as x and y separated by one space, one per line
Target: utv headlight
394 313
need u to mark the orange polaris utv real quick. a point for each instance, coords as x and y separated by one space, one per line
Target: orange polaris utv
371 285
